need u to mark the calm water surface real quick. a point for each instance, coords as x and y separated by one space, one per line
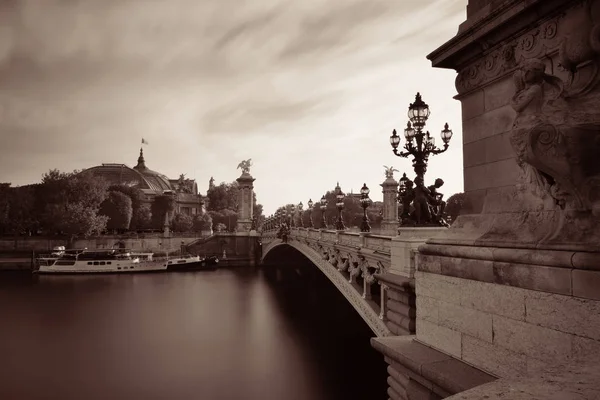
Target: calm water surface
270 333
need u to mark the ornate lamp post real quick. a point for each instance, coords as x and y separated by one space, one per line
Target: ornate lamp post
323 208
310 221
339 196
419 144
365 202
404 189
300 222
292 215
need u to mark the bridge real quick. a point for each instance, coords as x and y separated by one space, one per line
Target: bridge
505 302
374 272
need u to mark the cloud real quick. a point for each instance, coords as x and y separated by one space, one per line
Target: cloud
191 76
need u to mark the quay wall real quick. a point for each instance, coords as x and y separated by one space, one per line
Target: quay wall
156 244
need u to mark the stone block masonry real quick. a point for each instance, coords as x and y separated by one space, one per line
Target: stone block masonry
504 330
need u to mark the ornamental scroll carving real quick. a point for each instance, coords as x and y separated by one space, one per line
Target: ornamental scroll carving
570 39
557 143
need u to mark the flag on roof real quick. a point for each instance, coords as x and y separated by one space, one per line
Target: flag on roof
144 141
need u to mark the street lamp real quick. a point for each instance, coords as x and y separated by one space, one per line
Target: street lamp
300 222
339 196
419 144
405 196
292 215
365 202
310 221
323 208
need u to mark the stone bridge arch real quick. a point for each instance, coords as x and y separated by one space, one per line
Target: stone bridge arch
368 314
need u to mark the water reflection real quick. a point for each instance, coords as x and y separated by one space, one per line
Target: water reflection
225 334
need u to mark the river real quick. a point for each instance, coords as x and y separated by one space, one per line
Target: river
276 332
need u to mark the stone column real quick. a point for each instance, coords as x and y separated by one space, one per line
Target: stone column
245 202
389 225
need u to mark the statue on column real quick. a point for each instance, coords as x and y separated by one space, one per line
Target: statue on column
389 171
245 166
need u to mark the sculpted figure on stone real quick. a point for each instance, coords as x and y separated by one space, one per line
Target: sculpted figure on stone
421 202
533 93
556 150
245 166
437 204
389 171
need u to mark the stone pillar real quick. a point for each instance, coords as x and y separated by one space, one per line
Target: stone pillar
245 202
512 287
389 225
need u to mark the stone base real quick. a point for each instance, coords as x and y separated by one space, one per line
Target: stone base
243 225
389 228
581 381
419 372
508 311
398 306
405 245
515 218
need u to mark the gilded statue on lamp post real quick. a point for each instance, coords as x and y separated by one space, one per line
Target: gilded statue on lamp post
427 203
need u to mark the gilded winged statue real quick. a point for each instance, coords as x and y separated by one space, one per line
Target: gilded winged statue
389 171
245 166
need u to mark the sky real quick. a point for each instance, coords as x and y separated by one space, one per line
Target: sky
309 90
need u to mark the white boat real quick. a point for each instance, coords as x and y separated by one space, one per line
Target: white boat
191 262
98 261
57 252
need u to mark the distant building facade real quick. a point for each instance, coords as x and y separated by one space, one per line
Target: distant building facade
152 184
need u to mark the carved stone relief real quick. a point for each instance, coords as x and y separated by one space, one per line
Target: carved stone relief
555 135
573 38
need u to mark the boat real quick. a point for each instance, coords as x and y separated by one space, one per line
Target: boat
97 261
190 262
57 252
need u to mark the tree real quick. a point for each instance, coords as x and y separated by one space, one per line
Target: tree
221 197
5 191
220 227
143 218
78 219
61 193
21 210
226 217
117 207
182 223
136 196
455 204
161 207
202 222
